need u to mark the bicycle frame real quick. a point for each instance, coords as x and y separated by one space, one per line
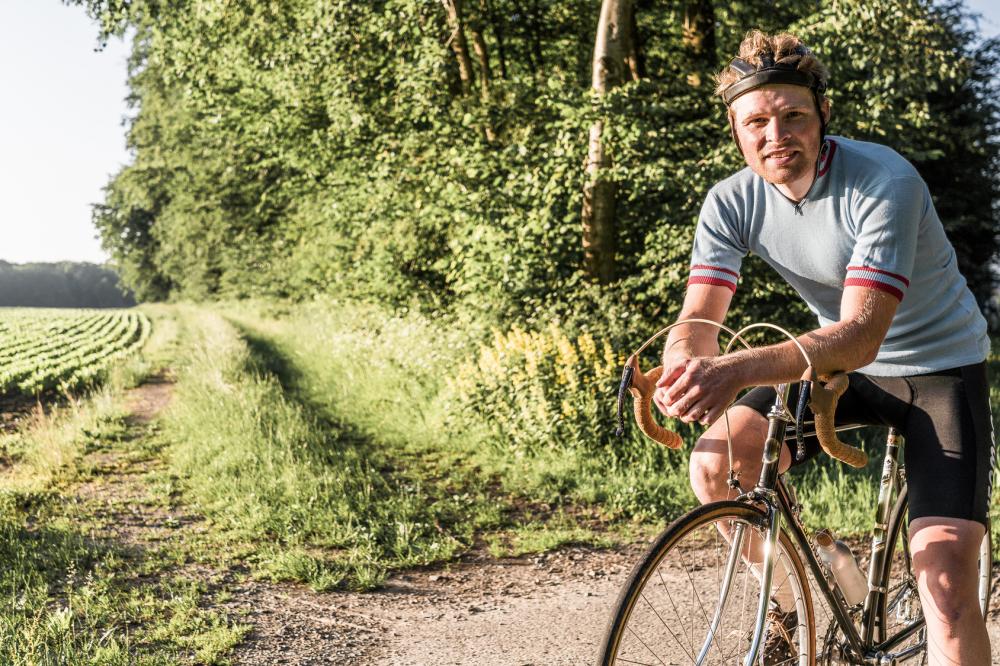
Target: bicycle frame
780 507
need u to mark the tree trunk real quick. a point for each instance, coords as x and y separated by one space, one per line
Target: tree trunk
611 48
458 43
487 10
485 77
536 37
699 39
634 56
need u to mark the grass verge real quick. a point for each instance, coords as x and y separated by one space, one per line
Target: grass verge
77 593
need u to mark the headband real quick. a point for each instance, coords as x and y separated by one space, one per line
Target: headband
771 72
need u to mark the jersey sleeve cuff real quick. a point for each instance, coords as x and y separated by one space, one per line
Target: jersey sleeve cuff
716 275
876 278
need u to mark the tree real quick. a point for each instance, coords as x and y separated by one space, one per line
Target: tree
699 39
612 67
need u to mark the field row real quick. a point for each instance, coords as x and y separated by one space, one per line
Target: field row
43 350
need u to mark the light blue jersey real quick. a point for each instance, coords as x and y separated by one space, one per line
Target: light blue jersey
868 220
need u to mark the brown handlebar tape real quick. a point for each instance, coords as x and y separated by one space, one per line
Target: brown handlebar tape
823 403
643 386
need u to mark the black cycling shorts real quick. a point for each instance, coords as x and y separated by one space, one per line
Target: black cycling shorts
945 419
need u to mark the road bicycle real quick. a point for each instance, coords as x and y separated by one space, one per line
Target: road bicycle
702 594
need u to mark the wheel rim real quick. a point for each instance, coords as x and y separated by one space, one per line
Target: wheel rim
677 600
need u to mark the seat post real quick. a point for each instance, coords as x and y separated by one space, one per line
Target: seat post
887 491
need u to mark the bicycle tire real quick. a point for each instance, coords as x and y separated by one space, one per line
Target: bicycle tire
648 626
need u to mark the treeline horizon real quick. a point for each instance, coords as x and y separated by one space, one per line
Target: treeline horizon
62 284
434 153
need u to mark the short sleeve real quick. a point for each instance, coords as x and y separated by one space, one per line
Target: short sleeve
888 221
719 247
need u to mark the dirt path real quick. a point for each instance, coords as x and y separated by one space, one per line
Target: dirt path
543 610
531 611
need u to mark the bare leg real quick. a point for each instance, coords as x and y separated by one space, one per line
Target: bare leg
945 555
710 461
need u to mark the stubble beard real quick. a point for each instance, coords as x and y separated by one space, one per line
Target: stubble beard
782 175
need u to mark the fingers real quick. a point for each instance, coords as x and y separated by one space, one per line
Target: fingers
688 411
671 373
700 412
685 392
658 399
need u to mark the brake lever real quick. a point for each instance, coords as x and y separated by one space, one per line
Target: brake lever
805 390
623 388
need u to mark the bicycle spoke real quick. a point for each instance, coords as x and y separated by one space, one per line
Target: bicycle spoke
677 613
701 605
637 637
666 626
638 663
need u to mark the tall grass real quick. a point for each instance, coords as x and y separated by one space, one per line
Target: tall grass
70 594
531 413
331 506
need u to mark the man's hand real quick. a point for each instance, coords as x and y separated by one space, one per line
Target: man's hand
697 389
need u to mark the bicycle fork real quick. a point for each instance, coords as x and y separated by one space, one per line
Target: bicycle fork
770 546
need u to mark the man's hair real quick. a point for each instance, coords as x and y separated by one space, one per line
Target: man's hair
781 45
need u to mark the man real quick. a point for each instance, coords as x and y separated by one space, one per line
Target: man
851 226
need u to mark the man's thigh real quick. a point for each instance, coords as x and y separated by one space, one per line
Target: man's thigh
949 447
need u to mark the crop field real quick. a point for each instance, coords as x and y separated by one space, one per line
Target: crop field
49 349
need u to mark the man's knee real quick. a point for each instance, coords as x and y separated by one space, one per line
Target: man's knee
945 562
709 467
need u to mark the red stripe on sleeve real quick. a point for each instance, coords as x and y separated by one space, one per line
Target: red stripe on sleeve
879 270
710 280
872 284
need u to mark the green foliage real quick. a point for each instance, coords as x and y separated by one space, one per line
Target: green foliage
542 389
301 147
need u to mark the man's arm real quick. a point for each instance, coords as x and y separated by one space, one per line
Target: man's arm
700 388
701 301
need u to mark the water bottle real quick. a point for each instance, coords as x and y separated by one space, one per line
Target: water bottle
842 564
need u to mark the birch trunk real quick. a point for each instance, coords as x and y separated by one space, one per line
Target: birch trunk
612 48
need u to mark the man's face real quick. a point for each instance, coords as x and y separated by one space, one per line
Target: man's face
778 130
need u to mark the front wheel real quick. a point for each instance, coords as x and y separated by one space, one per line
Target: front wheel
693 598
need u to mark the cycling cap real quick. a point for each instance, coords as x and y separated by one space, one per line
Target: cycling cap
784 70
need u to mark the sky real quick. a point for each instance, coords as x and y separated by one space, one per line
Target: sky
61 132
